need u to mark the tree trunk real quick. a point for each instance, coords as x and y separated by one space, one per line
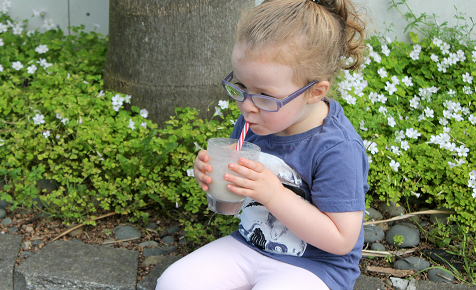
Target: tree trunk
171 53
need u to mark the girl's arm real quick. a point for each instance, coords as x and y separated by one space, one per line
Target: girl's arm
335 233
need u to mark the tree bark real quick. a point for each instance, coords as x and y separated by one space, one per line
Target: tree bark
171 53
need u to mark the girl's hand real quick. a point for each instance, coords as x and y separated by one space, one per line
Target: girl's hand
201 168
260 183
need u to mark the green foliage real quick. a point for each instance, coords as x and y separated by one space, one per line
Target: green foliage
398 240
413 105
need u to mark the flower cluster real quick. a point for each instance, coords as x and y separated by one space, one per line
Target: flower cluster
472 182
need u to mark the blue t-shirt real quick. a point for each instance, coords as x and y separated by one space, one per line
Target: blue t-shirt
331 165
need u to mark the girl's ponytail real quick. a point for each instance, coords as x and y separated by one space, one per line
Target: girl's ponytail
353 27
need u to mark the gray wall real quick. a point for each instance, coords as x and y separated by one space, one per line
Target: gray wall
90 12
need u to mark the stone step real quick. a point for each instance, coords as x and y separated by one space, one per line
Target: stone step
67 265
9 249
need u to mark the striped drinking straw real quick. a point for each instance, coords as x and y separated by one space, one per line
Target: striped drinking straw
242 136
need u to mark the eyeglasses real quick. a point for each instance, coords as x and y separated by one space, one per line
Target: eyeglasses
266 103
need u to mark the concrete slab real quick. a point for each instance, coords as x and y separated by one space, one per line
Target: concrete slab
67 265
9 249
368 283
149 282
428 285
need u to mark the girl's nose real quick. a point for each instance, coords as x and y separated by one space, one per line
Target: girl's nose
249 106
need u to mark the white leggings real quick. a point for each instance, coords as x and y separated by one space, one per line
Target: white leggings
227 264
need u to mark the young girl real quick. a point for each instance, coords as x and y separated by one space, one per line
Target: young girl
286 55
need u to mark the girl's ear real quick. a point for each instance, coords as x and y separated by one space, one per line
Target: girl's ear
318 91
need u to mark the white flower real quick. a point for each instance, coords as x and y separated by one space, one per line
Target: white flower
127 99
472 183
35 12
131 124
465 110
144 113
467 78
415 55
351 100
362 125
375 56
369 158
80 121
373 96
29 33
405 145
472 175
48 24
434 58
382 98
1 68
190 173
473 54
371 146
1 42
31 69
382 72
39 119
474 193
3 28
437 42
65 121
446 130
382 110
467 90
391 88
391 122
46 134
395 150
42 48
101 94
394 165
445 48
442 67
59 116
385 50
429 112
414 102
2 142
99 154
462 151
472 119
451 92
17 29
233 121
223 104
412 133
17 65
117 100
460 162
443 121
218 112
399 135
144 124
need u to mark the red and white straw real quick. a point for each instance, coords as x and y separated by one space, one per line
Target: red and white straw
242 136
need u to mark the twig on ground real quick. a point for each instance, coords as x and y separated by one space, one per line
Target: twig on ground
78 226
112 242
405 216
369 253
394 272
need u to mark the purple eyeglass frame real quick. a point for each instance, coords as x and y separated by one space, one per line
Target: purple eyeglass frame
280 103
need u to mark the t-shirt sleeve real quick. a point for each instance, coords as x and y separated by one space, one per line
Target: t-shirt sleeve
340 178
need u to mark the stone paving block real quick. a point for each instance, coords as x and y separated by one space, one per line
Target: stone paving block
67 265
368 283
9 249
149 282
